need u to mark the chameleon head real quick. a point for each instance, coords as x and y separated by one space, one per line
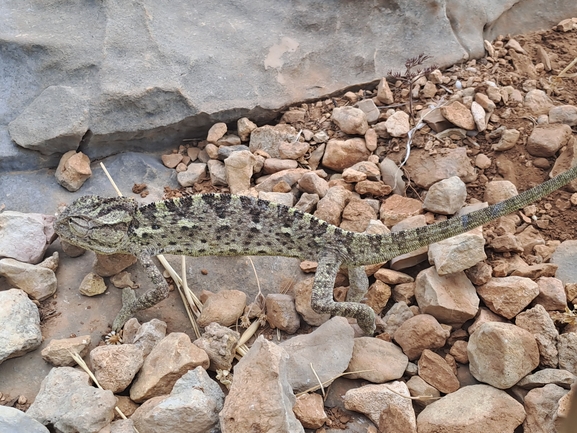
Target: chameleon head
97 223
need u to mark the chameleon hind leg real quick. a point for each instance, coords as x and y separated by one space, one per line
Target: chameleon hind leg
131 304
358 284
322 296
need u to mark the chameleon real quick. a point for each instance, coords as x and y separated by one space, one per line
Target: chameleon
233 225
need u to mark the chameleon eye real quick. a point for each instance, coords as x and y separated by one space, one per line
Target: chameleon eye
80 227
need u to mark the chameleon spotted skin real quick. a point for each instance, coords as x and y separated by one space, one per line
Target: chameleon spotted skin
229 225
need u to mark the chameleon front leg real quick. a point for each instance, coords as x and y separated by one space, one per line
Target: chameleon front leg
322 296
131 304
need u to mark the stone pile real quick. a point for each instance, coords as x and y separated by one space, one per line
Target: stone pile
467 344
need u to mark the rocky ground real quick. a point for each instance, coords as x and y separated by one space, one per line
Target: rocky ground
483 340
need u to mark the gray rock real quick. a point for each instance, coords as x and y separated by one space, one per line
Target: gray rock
458 253
546 140
195 172
350 120
268 138
451 299
54 122
70 404
158 91
305 349
20 331
58 354
225 151
376 360
472 409
396 316
446 197
566 114
38 282
282 313
541 405
219 343
106 359
392 176
25 237
15 421
501 354
217 172
148 334
170 359
239 167
564 257
566 348
426 169
192 407
537 321
387 405
562 378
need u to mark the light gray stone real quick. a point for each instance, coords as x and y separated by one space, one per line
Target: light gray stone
70 404
105 361
376 360
537 321
564 257
541 405
54 122
305 349
458 253
20 331
446 197
195 172
15 421
191 407
472 409
25 236
501 354
37 281
261 386
451 299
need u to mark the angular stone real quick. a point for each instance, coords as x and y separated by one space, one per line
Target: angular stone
340 154
459 115
376 360
436 372
350 120
70 404
500 354
192 407
170 359
418 333
458 253
537 321
305 349
260 386
472 409
389 399
20 331
106 359
546 140
446 197
508 296
450 299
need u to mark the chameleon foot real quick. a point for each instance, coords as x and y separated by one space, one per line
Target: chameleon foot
127 311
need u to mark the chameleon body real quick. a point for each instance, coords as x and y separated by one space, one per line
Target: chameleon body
229 225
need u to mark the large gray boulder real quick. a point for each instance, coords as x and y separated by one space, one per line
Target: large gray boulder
143 75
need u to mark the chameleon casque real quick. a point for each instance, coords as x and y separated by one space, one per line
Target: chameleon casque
229 225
